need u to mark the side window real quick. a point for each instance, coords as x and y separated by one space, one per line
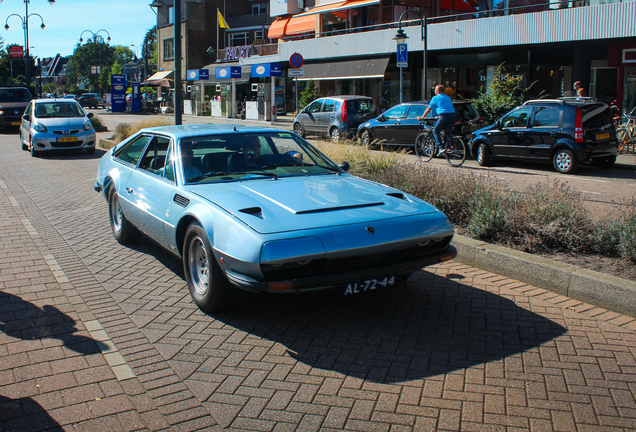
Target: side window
28 108
315 106
131 152
546 117
396 112
329 105
416 111
517 119
155 158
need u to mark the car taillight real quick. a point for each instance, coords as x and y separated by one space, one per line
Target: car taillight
344 112
578 127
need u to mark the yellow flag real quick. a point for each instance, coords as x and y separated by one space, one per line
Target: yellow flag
222 22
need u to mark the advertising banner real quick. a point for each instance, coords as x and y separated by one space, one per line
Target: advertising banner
118 90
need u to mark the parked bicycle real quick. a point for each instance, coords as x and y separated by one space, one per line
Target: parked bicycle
426 147
626 133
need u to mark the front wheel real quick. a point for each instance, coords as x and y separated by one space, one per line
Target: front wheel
32 147
365 138
298 130
123 230
483 155
564 161
335 135
425 147
456 153
208 286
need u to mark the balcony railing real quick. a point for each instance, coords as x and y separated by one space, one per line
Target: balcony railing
235 53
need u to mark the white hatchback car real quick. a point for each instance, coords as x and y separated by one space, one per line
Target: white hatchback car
56 124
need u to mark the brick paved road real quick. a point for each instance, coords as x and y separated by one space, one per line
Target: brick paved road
96 336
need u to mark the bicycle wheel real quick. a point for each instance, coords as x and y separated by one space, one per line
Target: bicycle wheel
622 134
456 152
425 147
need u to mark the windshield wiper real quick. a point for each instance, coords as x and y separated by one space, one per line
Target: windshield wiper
223 173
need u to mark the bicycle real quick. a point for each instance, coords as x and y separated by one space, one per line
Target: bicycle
626 133
426 147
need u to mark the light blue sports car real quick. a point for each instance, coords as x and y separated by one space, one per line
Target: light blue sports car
263 210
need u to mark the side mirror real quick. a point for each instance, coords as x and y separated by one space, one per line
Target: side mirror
26 117
382 118
344 166
498 124
90 115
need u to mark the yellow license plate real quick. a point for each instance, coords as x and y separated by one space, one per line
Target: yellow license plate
66 139
16 123
602 136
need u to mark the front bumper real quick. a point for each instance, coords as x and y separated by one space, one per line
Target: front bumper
49 141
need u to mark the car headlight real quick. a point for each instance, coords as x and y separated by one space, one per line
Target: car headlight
88 125
40 127
1 112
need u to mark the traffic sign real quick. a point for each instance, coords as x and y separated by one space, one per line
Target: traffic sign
16 51
402 55
296 72
296 61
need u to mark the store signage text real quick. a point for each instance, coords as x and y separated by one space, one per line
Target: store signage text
238 52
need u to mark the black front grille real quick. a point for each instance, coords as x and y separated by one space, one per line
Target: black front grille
72 132
324 267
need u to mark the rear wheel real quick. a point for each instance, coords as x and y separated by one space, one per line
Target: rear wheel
483 155
564 161
124 231
334 133
208 286
456 154
298 130
365 138
425 147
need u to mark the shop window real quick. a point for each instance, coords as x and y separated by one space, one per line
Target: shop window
238 39
168 49
259 9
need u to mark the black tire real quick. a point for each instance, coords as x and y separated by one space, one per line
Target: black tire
24 146
366 138
123 230
564 161
334 134
32 148
456 154
425 147
483 155
209 288
299 130
606 162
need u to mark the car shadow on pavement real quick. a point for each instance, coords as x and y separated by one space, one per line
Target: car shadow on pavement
23 320
25 414
431 325
71 154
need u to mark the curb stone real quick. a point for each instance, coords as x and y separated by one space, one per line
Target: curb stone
599 289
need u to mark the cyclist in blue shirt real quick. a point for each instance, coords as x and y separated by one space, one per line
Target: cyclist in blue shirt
443 106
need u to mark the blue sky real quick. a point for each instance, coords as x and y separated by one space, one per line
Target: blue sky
127 22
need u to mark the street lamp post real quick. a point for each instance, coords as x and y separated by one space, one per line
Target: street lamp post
401 37
101 41
25 26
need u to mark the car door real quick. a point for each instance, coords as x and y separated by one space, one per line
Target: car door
25 126
310 116
326 115
387 124
509 139
151 187
410 127
544 132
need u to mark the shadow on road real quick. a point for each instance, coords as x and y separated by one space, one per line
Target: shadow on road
24 320
25 414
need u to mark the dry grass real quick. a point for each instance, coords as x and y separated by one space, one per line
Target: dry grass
125 130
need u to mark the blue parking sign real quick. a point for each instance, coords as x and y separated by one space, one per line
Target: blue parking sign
402 55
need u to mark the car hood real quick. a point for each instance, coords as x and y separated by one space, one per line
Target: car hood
72 122
289 204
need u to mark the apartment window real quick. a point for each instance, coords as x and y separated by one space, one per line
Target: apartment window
258 34
259 9
238 39
170 15
168 49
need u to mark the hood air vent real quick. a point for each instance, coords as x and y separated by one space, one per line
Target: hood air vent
181 200
254 211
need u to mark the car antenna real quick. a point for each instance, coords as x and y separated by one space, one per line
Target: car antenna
234 128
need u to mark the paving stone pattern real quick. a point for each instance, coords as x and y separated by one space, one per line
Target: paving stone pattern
97 336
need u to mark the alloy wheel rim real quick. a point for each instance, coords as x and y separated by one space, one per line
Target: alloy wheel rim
198 265
564 161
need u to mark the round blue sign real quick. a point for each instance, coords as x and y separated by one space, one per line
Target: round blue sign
296 61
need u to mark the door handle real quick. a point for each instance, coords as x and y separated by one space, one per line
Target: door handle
129 190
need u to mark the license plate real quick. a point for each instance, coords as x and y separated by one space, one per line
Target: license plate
66 139
368 285
602 136
16 123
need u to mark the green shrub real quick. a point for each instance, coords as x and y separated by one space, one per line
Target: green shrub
488 218
627 236
96 122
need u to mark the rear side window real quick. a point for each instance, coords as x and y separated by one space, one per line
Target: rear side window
329 105
546 117
596 116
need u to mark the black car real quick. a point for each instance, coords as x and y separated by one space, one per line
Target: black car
565 132
399 125
91 100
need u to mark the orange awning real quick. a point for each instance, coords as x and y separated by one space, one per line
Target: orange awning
299 25
338 6
277 28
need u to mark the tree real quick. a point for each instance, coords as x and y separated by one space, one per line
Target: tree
149 52
93 53
309 94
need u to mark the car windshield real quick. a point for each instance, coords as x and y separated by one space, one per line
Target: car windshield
231 157
15 95
57 110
